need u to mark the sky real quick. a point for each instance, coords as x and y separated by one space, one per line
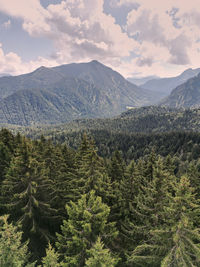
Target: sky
137 38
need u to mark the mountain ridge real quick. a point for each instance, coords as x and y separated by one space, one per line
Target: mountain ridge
82 89
186 95
166 85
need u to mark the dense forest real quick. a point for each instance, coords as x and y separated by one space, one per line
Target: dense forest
134 205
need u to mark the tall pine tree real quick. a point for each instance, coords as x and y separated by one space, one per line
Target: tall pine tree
26 195
87 220
176 242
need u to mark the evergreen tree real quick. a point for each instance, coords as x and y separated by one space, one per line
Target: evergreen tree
146 211
177 241
65 180
129 188
92 174
116 167
26 194
8 139
51 258
116 170
5 158
193 173
86 221
99 256
12 252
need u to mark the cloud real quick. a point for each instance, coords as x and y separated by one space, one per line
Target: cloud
84 34
126 3
7 24
31 12
160 35
11 63
78 34
8 62
144 61
173 25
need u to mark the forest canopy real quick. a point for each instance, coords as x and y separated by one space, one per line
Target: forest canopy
62 206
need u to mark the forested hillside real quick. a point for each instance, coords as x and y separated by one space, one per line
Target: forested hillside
72 207
150 119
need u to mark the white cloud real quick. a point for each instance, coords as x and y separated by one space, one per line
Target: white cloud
162 35
170 25
80 29
81 34
7 24
11 63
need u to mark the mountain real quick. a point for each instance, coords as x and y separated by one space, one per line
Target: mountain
4 74
166 85
142 80
121 92
186 95
67 92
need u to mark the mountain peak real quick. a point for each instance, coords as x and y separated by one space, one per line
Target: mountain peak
41 68
95 62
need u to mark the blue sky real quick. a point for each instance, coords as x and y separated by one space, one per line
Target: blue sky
135 37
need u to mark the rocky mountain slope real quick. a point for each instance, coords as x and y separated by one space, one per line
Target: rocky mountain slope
186 95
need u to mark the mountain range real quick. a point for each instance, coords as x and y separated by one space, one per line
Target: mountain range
166 85
142 80
67 92
186 95
4 74
87 90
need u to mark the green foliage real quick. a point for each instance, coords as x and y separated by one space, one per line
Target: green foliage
12 252
87 220
143 212
99 256
26 192
51 258
175 242
92 174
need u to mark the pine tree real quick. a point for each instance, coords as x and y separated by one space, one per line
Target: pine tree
177 241
13 253
86 221
5 158
26 194
66 179
8 139
116 167
193 173
129 188
99 256
146 211
51 259
92 174
116 171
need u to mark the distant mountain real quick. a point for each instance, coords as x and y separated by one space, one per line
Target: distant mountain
67 92
120 92
4 74
166 85
186 95
142 80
